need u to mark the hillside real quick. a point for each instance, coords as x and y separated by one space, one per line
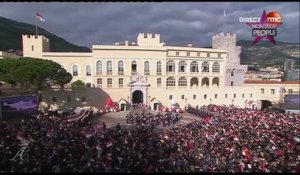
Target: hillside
266 54
11 37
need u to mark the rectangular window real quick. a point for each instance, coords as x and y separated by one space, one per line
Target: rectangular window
188 54
205 96
69 99
194 96
226 95
290 91
170 97
272 91
83 99
216 95
219 55
231 83
54 99
99 81
243 95
120 82
262 91
158 82
177 53
251 95
232 74
32 48
198 54
109 82
234 95
182 96
208 54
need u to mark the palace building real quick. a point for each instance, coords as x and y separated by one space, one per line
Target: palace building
149 71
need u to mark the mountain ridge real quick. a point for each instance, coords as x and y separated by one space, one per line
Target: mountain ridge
11 37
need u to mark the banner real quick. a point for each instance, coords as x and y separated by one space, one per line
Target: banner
19 106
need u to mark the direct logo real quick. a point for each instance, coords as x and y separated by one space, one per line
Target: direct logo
264 26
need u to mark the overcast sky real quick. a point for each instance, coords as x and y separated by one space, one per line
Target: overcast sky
179 23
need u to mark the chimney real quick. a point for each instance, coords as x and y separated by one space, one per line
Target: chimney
126 43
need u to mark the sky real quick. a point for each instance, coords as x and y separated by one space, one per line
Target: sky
178 23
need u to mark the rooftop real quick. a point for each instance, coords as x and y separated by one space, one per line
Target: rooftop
270 82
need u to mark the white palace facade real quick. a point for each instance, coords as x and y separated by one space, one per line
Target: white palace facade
153 73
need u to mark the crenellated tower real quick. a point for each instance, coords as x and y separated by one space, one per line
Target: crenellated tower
149 40
234 74
35 45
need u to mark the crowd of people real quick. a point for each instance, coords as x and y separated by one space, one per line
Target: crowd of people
139 106
224 139
154 119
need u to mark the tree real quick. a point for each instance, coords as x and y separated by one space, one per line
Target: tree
33 72
62 77
78 84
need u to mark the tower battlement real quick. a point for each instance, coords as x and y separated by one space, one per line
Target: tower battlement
35 45
149 39
36 37
224 35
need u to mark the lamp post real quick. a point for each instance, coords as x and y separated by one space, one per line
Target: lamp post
149 102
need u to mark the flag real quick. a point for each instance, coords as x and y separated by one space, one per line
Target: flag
39 16
246 153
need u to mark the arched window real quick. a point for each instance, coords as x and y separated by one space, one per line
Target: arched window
194 67
109 68
133 68
170 66
182 81
215 81
120 68
75 70
205 67
88 70
194 82
205 82
158 68
99 68
146 68
181 66
216 67
171 81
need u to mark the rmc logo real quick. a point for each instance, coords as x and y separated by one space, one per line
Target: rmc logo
264 26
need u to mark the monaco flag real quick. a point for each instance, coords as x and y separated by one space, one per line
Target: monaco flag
39 16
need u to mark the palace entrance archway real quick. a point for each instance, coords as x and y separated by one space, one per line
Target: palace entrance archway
137 97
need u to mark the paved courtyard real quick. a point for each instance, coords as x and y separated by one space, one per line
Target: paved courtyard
111 120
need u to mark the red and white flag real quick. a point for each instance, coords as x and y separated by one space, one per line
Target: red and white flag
39 16
246 153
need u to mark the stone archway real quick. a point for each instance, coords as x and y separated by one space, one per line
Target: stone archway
265 104
137 97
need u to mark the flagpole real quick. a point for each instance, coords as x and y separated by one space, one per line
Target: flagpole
36 32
